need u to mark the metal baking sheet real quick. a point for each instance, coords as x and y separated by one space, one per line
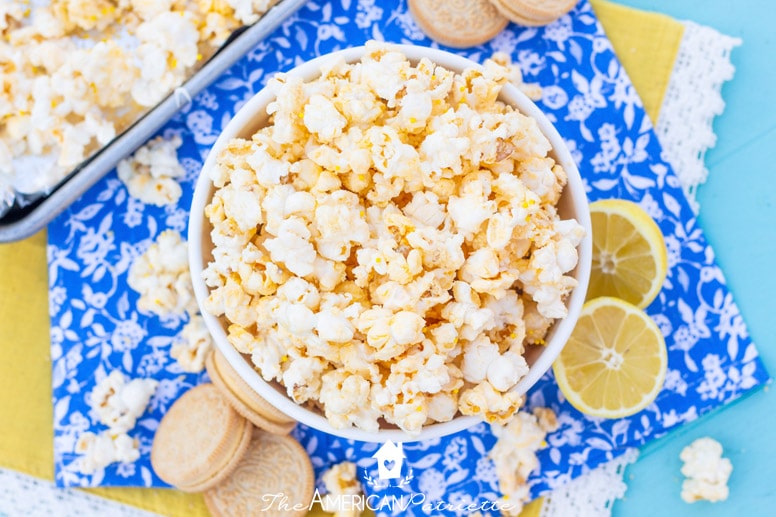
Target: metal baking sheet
20 223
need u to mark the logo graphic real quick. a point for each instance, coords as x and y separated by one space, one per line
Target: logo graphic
390 461
390 458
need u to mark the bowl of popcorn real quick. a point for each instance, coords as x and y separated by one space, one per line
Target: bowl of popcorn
390 242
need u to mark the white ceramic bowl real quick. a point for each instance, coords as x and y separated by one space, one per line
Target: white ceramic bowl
252 116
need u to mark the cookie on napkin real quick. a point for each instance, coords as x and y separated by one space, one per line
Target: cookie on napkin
457 23
200 440
533 13
243 398
275 477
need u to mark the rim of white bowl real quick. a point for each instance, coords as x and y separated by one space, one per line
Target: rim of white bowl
256 107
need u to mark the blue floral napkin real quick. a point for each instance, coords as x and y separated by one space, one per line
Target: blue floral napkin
95 325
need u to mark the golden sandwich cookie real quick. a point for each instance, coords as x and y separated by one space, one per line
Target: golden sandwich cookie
533 13
200 440
275 477
244 399
458 23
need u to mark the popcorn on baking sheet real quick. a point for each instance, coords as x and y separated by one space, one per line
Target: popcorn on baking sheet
514 454
705 470
75 73
151 174
392 233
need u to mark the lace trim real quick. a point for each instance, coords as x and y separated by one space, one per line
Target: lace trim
23 495
592 494
692 100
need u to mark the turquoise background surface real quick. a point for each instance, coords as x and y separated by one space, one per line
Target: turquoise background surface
738 214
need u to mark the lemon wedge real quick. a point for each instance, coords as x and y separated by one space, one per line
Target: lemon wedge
614 363
629 253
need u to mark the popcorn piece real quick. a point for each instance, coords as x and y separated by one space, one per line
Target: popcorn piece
292 247
249 11
150 174
85 13
100 450
345 398
341 480
504 372
148 9
168 47
515 456
119 403
546 419
303 378
388 245
161 276
322 118
477 358
193 345
513 74
486 402
10 11
705 470
442 407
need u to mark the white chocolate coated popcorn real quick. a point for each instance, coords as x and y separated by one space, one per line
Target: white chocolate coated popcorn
119 403
75 73
193 345
389 243
100 450
705 470
161 276
341 480
515 454
151 173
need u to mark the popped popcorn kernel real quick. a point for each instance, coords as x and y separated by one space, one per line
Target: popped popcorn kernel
341 480
193 345
408 222
151 173
706 471
118 402
161 276
100 450
514 454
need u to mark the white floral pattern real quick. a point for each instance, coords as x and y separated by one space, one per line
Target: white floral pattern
95 325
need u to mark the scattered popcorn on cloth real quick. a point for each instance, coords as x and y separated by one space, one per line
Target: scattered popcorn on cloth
74 74
389 244
151 173
344 492
118 404
100 450
161 276
192 345
515 455
707 472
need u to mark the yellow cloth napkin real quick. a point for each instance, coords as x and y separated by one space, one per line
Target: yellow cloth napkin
646 43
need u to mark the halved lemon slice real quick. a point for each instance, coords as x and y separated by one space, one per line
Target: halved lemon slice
614 363
629 253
